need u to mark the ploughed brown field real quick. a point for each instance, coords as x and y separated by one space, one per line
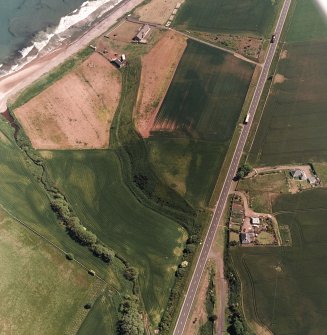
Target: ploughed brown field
158 68
76 111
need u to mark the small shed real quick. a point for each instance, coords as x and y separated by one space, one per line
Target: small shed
255 220
119 61
247 238
143 32
312 180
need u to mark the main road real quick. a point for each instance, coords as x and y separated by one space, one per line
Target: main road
219 208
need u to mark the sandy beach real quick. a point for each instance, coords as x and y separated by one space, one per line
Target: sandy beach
17 81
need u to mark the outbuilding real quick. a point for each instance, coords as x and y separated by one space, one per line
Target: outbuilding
312 180
255 220
298 174
247 238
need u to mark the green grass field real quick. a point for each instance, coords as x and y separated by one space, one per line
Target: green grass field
293 127
229 16
117 195
100 187
284 288
263 188
308 23
102 318
24 198
93 183
204 102
41 291
188 166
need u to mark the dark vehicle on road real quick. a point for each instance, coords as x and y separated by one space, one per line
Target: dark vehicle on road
273 38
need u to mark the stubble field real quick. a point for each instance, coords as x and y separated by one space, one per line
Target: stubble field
158 68
77 110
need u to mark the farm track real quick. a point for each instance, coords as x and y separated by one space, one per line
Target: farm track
305 168
189 36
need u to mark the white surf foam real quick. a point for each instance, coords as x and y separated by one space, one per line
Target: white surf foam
86 9
43 38
24 52
323 6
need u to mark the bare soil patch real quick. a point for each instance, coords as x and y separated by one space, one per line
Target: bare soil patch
157 11
77 110
158 68
279 78
284 54
260 330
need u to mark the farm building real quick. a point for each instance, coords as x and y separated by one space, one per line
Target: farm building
255 220
247 238
312 180
140 36
119 61
298 174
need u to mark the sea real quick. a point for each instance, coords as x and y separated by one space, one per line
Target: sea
29 28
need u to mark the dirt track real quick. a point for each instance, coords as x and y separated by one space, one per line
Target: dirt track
305 168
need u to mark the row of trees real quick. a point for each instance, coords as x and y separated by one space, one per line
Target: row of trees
179 286
78 232
130 320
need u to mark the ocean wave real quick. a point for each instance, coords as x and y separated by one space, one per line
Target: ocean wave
24 52
43 39
86 9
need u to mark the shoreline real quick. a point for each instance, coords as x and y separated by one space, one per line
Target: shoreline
17 81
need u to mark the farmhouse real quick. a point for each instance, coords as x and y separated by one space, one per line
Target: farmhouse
143 32
247 238
298 174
